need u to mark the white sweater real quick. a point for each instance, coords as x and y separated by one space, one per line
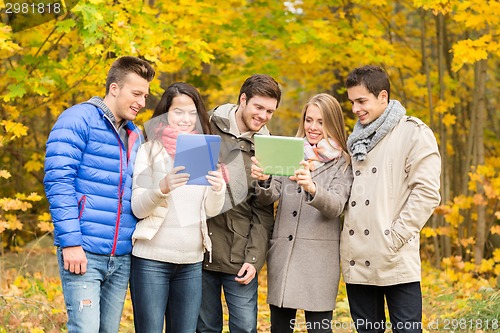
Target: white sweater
173 226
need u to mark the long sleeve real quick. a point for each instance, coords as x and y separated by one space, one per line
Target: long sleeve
269 191
146 193
423 165
65 147
215 201
330 200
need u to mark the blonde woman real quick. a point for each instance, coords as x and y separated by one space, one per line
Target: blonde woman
303 259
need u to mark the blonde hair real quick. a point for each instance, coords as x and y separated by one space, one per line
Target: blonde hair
333 121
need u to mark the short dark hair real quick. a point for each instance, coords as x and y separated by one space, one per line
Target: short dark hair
128 64
373 78
261 85
183 88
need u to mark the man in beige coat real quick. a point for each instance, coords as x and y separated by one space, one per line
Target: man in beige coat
396 167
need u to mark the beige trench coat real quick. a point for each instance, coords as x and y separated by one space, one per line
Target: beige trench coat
303 259
394 192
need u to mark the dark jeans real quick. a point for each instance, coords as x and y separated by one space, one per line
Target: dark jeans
162 290
283 320
241 302
404 302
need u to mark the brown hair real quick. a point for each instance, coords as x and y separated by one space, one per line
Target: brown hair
260 85
125 65
373 78
183 88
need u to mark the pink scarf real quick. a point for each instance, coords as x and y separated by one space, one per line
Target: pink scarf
168 136
322 152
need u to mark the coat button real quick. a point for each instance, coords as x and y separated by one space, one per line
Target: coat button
387 231
299 190
367 263
367 202
351 232
357 172
290 238
352 263
294 213
374 170
367 232
353 203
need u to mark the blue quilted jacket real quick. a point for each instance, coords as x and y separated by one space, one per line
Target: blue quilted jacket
88 181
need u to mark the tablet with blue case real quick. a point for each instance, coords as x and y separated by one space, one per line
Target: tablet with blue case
279 155
199 154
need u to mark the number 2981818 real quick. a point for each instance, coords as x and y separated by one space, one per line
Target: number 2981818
31 8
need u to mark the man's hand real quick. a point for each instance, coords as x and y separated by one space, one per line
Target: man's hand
246 274
257 171
75 259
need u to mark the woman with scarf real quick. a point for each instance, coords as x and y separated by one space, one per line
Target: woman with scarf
169 241
303 260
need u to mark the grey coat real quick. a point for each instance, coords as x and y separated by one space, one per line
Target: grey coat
303 259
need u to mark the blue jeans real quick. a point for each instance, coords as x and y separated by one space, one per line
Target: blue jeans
404 302
162 289
241 302
94 300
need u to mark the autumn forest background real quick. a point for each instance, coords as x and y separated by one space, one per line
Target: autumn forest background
443 60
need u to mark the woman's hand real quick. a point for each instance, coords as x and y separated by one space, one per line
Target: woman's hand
257 171
173 180
303 178
215 179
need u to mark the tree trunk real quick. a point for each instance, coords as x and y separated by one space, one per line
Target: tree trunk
445 193
479 106
426 70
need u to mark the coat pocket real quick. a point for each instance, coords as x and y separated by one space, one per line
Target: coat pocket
240 230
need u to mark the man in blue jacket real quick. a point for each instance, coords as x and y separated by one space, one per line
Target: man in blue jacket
88 183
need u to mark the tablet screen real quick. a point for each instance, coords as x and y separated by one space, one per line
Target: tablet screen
279 155
198 153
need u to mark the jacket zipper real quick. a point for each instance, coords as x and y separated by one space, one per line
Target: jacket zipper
120 198
120 191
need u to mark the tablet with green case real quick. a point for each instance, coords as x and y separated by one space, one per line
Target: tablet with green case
279 155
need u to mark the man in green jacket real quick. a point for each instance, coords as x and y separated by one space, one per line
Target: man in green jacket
240 234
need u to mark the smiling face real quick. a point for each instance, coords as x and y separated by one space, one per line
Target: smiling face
365 105
253 114
127 100
313 124
182 114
